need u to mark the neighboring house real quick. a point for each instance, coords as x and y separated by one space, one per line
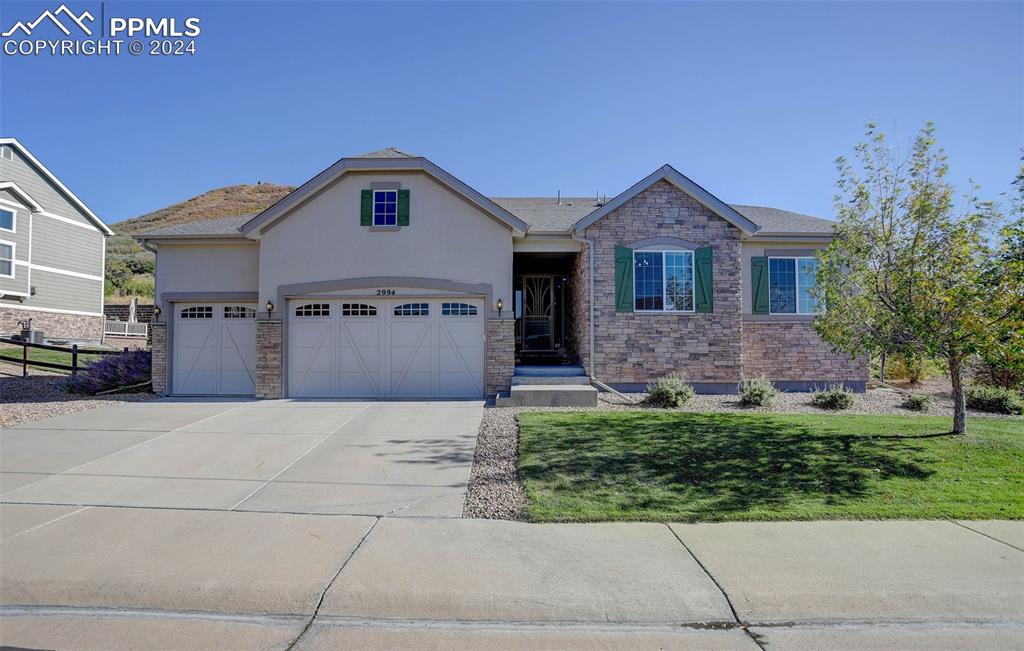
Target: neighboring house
385 276
52 250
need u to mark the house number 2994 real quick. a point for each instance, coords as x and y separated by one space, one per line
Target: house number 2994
385 292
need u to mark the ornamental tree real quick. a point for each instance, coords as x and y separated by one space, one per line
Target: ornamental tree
911 269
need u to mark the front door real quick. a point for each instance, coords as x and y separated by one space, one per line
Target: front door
538 313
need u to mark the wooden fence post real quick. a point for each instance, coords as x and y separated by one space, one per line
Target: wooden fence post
74 360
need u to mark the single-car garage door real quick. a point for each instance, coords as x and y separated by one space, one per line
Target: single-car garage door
400 348
214 349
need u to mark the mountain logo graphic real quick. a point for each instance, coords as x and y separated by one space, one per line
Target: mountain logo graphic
53 16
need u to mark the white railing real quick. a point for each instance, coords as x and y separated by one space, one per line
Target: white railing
126 329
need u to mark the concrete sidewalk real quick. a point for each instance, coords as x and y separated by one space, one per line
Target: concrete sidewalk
98 577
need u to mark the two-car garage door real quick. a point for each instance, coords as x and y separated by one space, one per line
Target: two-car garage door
380 348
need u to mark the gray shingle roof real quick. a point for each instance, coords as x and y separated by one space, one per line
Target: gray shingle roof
220 226
544 215
388 152
773 220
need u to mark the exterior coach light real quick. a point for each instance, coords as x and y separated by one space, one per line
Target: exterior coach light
499 305
270 308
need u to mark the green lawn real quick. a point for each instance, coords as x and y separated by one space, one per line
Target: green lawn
43 355
714 467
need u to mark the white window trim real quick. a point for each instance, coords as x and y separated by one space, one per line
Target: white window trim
14 220
14 259
664 284
373 214
796 283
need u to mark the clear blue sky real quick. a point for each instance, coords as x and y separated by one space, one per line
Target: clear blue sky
751 100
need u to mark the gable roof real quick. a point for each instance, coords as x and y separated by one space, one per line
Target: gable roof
16 190
13 142
385 163
672 175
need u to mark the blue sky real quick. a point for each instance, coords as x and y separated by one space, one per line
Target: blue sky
751 100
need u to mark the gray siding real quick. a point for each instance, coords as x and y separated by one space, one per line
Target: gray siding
61 245
60 292
29 179
20 281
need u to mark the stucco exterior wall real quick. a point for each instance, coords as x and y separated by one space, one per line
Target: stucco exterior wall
447 238
635 348
207 268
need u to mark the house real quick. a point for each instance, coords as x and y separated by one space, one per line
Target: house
52 251
386 276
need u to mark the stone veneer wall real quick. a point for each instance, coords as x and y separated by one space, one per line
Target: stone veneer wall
269 368
53 324
792 351
500 343
158 331
579 306
634 348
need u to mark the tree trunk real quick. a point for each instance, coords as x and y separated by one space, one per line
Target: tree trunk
959 407
881 369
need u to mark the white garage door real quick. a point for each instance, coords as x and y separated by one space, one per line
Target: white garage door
214 349
394 348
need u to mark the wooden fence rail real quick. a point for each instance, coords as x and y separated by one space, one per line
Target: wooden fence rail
74 351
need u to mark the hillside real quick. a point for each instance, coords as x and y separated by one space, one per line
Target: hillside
130 267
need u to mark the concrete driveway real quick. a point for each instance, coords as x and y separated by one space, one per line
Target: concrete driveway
331 457
217 525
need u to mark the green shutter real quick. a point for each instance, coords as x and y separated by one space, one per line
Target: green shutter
704 280
403 207
759 284
366 209
623 279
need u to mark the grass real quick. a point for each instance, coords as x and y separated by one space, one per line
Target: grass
43 355
686 467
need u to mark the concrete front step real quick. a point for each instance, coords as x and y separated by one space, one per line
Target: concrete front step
549 395
518 380
553 370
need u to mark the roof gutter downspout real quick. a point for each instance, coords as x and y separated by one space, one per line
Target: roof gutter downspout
590 298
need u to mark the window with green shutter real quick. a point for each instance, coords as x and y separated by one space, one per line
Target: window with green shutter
366 208
623 279
759 284
705 294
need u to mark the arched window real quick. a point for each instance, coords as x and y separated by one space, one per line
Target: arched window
313 309
458 309
412 309
358 309
198 312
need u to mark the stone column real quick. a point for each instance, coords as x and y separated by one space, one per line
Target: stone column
269 369
501 354
158 332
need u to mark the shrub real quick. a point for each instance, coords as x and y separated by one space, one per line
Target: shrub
757 393
917 402
669 391
112 372
911 368
995 400
836 398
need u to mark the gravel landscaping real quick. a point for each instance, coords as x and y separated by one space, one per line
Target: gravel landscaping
495 491
41 395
